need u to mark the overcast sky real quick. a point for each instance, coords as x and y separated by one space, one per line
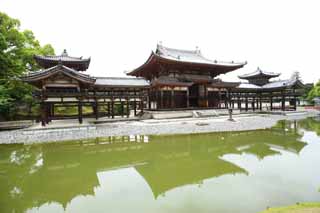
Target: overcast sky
276 35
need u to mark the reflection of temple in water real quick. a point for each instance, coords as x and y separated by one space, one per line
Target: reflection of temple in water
39 174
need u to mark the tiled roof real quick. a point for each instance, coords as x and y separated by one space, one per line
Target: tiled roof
77 63
192 56
121 82
271 85
259 73
35 76
281 83
63 57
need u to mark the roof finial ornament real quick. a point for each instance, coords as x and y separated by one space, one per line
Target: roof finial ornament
64 53
259 70
197 49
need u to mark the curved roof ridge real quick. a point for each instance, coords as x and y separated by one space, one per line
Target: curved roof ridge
112 77
259 72
160 46
57 68
57 57
194 56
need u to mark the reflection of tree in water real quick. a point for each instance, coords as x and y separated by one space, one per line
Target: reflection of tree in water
311 124
37 174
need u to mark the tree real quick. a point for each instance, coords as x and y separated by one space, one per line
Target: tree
17 49
314 92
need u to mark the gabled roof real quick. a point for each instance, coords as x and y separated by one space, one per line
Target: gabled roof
190 56
258 74
121 82
77 63
191 60
43 74
283 84
273 85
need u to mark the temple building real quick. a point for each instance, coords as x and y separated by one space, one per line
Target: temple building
62 82
170 79
184 79
260 92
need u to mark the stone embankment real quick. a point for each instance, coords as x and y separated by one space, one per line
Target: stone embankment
145 127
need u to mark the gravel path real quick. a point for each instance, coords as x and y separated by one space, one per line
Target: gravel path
145 127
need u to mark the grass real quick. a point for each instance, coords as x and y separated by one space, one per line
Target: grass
298 208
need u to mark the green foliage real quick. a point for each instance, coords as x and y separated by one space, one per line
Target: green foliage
314 92
17 49
299 207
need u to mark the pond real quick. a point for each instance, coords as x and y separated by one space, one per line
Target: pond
219 172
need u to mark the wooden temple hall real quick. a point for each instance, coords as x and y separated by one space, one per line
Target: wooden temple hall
170 79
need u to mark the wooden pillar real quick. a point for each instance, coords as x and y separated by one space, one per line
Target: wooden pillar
52 110
161 99
122 108
271 102
149 99
246 102
188 103
157 98
97 110
226 100
128 108
141 104
260 104
108 109
294 100
112 107
206 102
135 107
48 113
283 102
43 115
232 101
239 102
219 99
253 103
172 98
80 118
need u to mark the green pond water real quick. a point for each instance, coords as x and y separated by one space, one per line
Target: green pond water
220 172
